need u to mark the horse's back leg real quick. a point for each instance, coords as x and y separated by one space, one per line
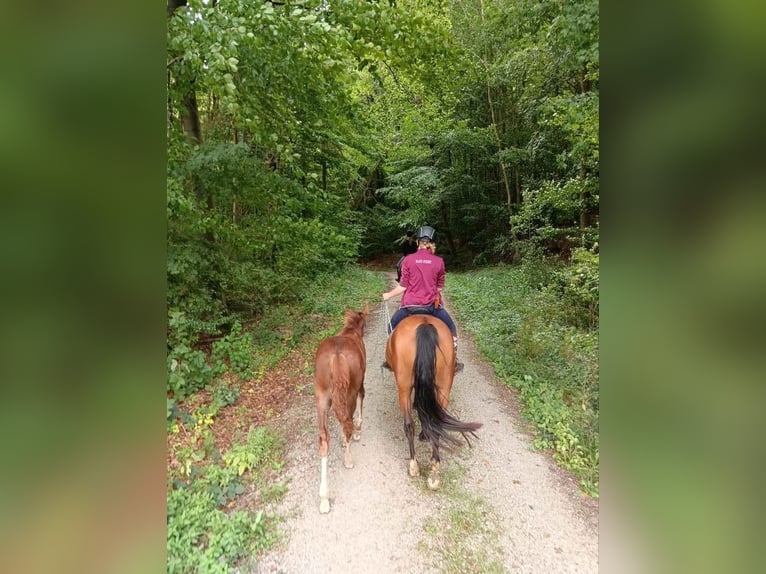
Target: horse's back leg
348 429
434 474
323 408
358 424
405 405
444 378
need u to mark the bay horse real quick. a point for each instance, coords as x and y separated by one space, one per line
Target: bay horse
422 356
339 367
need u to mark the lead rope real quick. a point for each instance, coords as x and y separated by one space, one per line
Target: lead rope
386 327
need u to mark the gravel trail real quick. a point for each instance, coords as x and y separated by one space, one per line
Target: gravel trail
382 521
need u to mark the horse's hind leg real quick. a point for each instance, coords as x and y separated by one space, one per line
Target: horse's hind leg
434 474
348 430
409 429
358 424
348 462
323 408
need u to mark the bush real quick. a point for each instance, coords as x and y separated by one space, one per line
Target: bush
538 271
188 370
237 349
201 535
578 284
225 394
525 333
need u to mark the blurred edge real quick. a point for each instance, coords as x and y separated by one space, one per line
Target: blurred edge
82 225
82 245
683 285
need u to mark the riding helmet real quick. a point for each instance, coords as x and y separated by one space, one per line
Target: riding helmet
426 232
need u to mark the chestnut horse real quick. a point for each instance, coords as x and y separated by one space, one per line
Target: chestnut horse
340 364
422 356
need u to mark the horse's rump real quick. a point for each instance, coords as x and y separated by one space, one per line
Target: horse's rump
340 380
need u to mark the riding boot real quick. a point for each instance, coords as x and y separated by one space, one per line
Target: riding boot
458 365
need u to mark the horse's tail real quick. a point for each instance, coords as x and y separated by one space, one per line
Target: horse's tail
340 379
434 420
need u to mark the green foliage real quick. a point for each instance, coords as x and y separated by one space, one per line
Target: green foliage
579 287
333 294
506 148
201 535
188 370
524 330
256 239
318 313
549 216
254 454
202 538
225 394
191 369
235 348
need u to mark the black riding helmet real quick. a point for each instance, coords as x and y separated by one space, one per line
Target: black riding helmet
426 232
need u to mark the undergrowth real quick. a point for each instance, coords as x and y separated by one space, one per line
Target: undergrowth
526 330
319 313
203 534
206 529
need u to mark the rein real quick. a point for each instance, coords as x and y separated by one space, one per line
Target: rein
387 325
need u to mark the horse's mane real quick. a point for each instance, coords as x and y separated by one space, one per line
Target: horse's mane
354 320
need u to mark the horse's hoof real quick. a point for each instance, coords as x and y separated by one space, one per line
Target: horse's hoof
434 482
324 506
414 468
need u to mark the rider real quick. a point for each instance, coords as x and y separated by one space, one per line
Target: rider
421 282
409 245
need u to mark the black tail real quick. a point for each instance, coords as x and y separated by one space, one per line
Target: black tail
434 420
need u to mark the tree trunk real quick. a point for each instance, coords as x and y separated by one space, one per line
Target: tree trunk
447 230
190 112
496 131
190 117
173 5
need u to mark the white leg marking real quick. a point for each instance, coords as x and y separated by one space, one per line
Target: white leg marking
324 500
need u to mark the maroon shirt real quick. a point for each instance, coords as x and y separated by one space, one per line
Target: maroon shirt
423 276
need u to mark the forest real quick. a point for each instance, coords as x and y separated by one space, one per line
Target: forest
306 137
303 136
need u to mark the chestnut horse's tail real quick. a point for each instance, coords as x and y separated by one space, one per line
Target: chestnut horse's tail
434 420
340 380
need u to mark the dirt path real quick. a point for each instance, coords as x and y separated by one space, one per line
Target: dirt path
503 507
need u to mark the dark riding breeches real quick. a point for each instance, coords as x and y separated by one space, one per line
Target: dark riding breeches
440 313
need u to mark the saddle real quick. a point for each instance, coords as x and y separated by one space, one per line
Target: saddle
420 309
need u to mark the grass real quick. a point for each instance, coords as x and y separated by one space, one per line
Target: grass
522 329
463 534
